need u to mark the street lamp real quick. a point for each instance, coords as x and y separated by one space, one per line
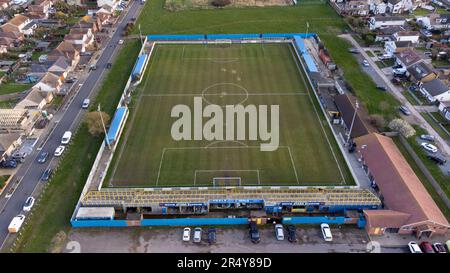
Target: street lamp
353 121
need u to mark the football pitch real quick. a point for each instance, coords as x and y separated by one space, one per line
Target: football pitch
225 74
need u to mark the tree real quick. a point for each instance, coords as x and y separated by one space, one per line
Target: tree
403 127
94 122
378 121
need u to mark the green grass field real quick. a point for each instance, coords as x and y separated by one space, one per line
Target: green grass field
251 74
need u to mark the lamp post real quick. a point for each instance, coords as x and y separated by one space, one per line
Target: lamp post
353 121
104 127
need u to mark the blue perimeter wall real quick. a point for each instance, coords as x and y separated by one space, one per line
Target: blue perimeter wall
164 37
210 221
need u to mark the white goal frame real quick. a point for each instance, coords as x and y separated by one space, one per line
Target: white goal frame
217 179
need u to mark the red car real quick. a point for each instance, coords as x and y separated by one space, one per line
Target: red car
426 247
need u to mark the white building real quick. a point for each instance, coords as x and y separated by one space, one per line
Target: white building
435 90
376 22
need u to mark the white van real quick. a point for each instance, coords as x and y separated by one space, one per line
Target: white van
16 223
326 232
66 137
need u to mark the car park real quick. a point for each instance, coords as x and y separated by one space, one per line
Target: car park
66 137
404 110
326 232
279 233
42 157
46 174
437 160
197 235
186 234
426 247
254 233
211 235
292 237
414 247
427 137
439 248
28 204
59 150
429 147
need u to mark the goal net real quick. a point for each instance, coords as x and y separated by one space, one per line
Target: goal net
226 181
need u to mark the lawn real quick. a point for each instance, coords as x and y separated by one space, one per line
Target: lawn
445 210
322 20
435 125
3 179
251 74
10 88
52 213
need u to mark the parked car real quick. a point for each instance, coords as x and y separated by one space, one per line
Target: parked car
254 233
365 63
426 247
396 81
385 57
413 88
399 71
211 235
429 147
382 88
292 237
439 248
437 160
279 233
414 247
92 67
16 223
120 42
46 174
427 137
197 235
28 204
66 137
326 232
404 110
447 245
42 157
353 50
85 103
186 234
108 65
8 163
59 151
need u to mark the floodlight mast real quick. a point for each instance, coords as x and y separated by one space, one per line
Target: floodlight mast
104 127
353 121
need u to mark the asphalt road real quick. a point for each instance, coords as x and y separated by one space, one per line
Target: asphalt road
30 171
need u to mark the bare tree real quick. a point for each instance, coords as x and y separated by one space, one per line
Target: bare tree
94 122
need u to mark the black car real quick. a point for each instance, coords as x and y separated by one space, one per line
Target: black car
254 233
382 88
46 175
108 65
42 157
292 237
437 160
211 235
9 163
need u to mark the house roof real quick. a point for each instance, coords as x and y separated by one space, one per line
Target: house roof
18 19
50 79
61 64
33 99
408 33
393 2
419 70
388 18
390 30
408 57
346 106
6 140
77 36
401 189
435 87
403 44
385 218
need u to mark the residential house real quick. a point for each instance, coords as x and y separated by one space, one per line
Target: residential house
408 207
4 4
399 6
409 36
385 34
351 7
435 90
49 83
80 41
104 14
444 109
35 99
19 23
9 142
111 3
40 8
377 22
421 72
60 67
92 22
392 47
377 7
440 21
65 49
408 57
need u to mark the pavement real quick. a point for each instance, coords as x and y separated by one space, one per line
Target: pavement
68 119
235 239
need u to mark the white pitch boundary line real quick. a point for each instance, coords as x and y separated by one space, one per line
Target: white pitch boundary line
222 94
160 165
293 164
318 118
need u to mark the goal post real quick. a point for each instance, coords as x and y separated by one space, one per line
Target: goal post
226 181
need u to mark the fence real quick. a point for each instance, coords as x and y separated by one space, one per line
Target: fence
183 37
